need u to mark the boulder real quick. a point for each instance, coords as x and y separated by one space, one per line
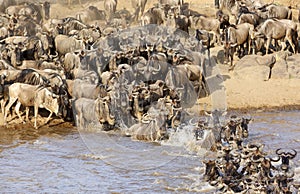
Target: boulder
257 72
293 66
255 60
280 68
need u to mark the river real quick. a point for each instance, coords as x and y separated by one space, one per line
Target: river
60 160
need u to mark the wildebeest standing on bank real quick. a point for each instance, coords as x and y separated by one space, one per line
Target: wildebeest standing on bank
92 112
29 95
90 14
110 7
5 4
171 2
154 15
65 44
69 2
139 7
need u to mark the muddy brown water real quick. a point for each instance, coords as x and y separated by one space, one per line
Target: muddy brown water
59 159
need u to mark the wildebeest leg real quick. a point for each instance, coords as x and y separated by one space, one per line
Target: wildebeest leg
17 108
2 106
80 119
36 110
290 40
49 117
249 46
137 13
27 113
268 45
283 45
7 108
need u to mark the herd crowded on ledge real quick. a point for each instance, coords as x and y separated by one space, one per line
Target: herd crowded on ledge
140 80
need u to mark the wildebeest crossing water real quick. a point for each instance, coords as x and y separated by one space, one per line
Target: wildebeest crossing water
56 159
132 94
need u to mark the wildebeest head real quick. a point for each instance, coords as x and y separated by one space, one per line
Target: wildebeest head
34 49
52 102
2 79
244 126
16 55
286 157
149 69
215 117
46 10
65 108
104 111
211 170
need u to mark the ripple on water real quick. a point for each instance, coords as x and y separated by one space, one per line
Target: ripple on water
56 161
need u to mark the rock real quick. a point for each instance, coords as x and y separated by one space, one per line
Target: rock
293 66
255 60
257 72
280 69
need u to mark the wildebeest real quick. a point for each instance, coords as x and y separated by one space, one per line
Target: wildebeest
65 44
274 29
70 1
36 96
92 112
237 36
171 2
39 11
153 15
208 24
110 7
5 4
153 124
90 14
82 89
71 62
212 172
180 22
279 12
286 157
139 7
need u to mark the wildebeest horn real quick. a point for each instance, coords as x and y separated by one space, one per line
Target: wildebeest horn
279 153
190 122
180 88
235 154
252 147
111 116
180 108
233 45
292 155
275 160
237 160
135 94
55 55
139 67
290 175
158 69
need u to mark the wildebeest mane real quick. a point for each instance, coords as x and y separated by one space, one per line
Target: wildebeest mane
30 76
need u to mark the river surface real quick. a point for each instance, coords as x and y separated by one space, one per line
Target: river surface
59 160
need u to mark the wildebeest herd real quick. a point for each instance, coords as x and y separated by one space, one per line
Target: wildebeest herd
241 166
140 80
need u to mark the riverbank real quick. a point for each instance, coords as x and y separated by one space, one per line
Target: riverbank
246 94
